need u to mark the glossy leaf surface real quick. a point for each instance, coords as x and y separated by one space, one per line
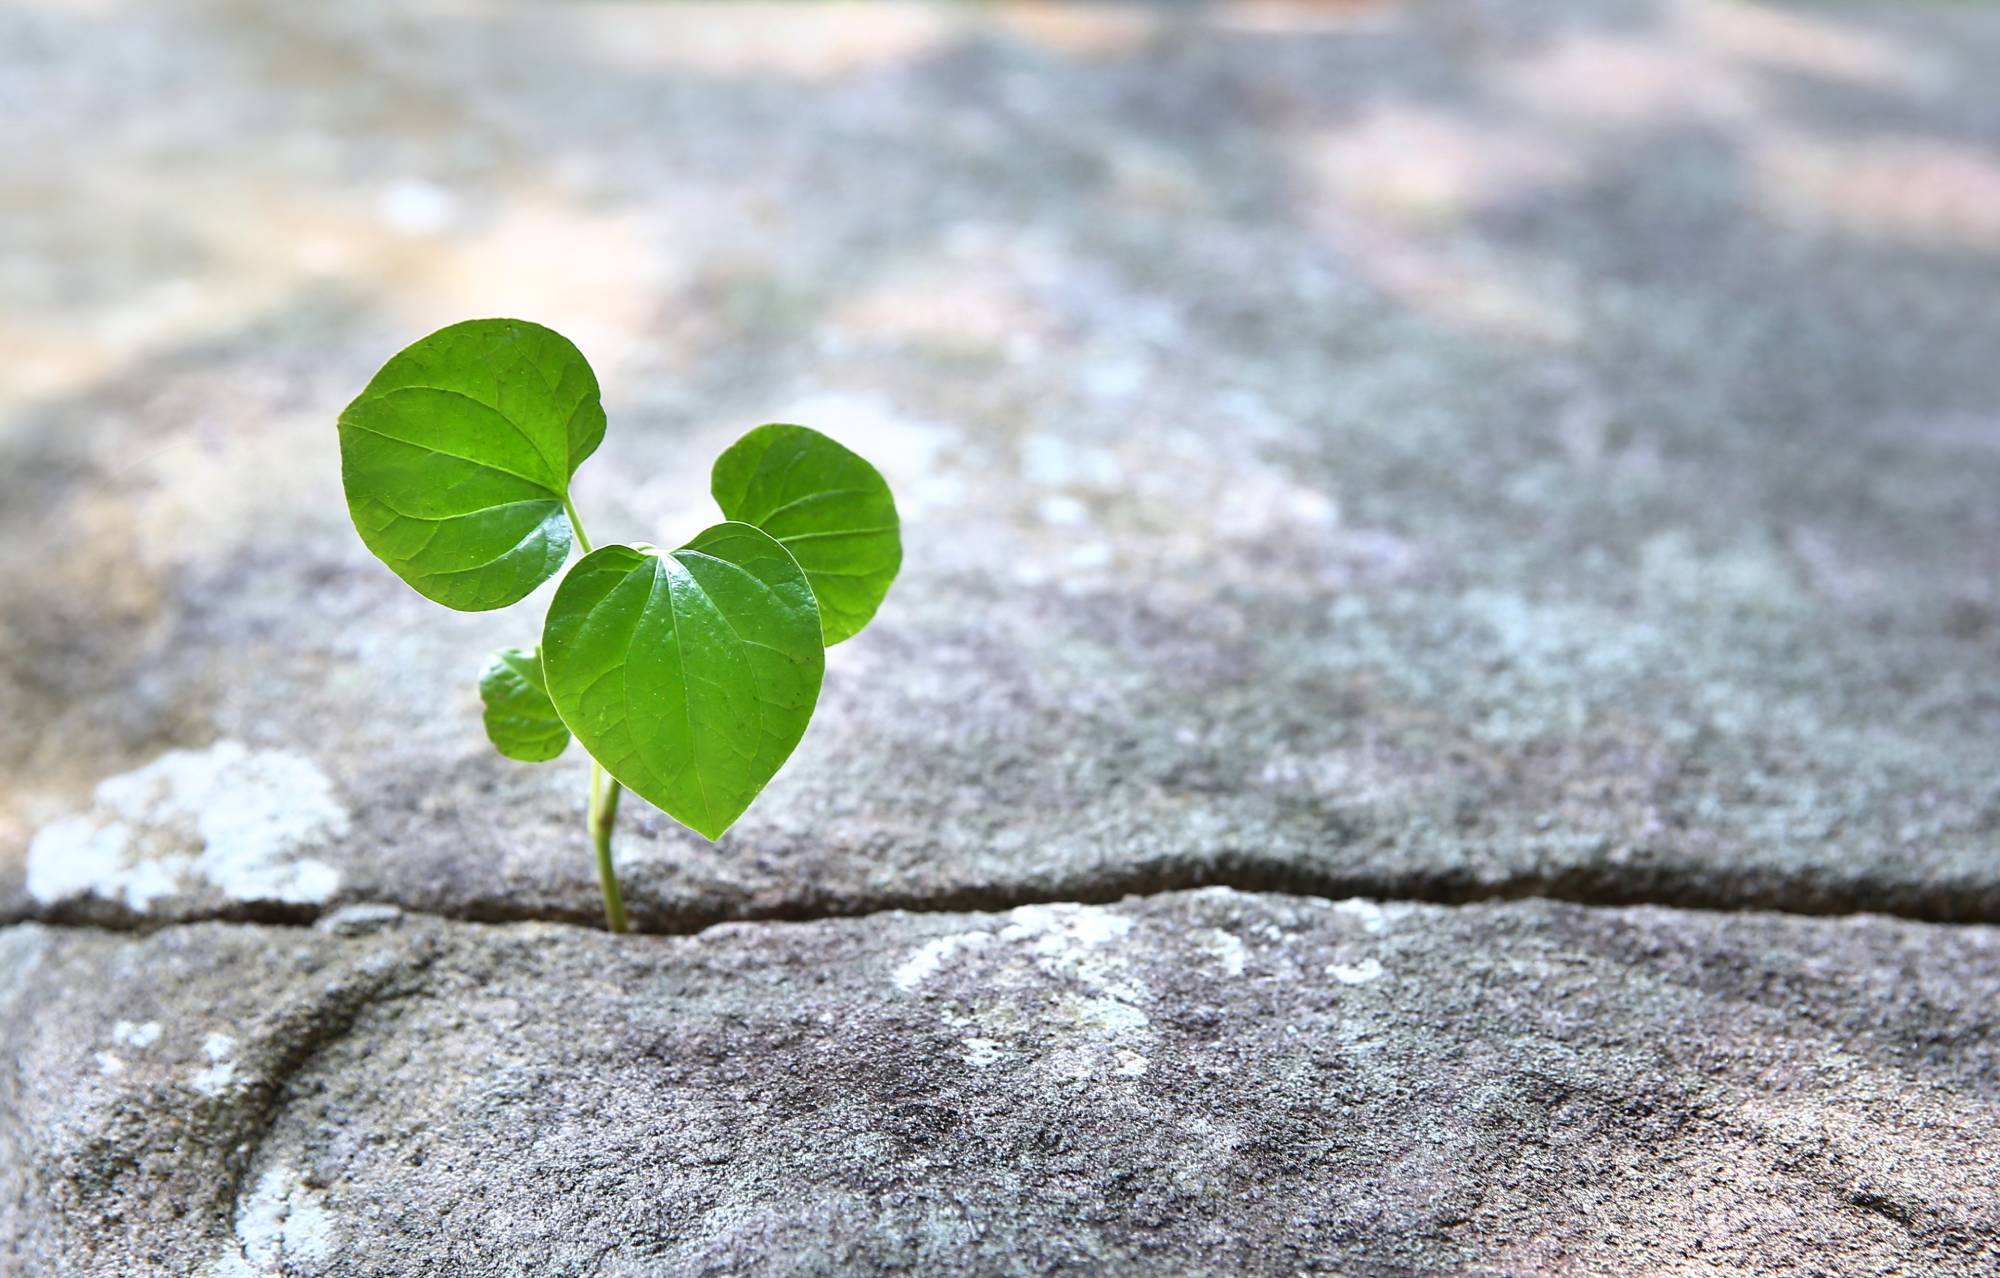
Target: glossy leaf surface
521 721
690 675
457 459
824 504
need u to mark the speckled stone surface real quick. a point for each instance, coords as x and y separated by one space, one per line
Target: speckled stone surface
1439 451
1197 1083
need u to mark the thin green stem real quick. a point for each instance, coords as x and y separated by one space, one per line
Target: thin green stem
576 524
604 792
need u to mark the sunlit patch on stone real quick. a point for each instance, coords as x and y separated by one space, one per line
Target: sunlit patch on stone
1610 82
1917 191
1815 44
1085 30
813 43
1430 167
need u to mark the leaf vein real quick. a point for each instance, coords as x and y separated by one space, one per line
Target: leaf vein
446 452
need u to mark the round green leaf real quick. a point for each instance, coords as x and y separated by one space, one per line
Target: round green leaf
520 719
689 675
458 455
824 504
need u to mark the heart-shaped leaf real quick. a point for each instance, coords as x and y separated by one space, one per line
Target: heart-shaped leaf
824 504
520 719
457 459
689 675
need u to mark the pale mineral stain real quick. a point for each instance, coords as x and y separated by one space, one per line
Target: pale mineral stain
1229 951
1374 919
1111 1016
220 1075
924 962
981 1052
229 818
1356 973
135 1034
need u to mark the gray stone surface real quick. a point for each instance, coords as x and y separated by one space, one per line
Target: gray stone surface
1440 451
1210 1082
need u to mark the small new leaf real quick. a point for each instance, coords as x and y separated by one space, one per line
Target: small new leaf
824 504
457 459
689 675
521 721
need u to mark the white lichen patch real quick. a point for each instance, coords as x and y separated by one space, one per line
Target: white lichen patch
1091 1020
1077 944
1065 935
282 1226
1097 1025
220 1074
235 820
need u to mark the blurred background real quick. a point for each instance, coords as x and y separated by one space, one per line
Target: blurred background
1488 443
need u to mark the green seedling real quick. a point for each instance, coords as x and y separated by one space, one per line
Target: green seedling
688 675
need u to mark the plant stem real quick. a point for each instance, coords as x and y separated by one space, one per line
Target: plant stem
575 524
604 792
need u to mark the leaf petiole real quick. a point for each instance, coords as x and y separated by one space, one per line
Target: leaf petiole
576 525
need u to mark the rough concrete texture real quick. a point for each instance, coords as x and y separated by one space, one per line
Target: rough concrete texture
1435 451
1208 1082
